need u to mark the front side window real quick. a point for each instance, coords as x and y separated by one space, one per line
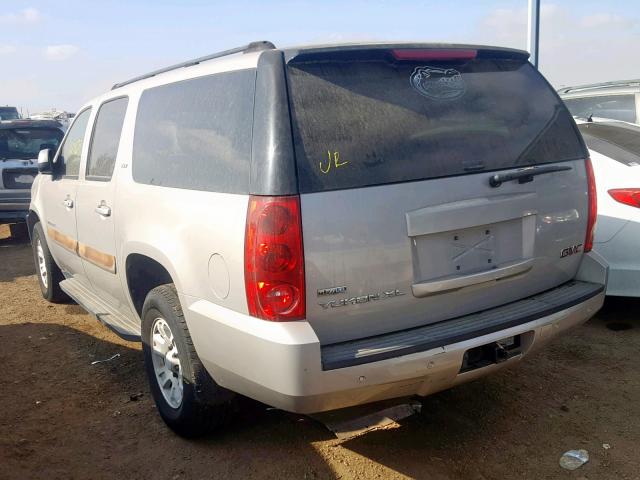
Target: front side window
71 151
106 138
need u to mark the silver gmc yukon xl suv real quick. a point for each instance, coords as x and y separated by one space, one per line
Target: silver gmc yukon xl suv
322 227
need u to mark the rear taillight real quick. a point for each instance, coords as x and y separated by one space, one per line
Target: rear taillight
433 54
593 206
628 196
274 260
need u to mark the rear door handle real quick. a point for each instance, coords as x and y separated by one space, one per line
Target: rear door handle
68 203
103 210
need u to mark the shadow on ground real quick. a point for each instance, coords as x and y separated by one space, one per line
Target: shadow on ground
579 392
68 418
619 313
17 260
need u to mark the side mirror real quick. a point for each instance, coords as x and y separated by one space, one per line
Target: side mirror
45 160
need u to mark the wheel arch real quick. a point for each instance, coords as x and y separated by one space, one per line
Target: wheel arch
143 272
32 219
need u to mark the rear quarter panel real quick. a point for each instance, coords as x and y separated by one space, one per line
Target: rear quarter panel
182 229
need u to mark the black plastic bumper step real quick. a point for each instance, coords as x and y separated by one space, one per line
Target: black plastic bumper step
420 339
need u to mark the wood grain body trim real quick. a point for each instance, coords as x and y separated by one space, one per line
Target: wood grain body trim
96 257
99 259
65 241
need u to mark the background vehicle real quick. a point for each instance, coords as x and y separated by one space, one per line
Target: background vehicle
325 226
618 100
20 143
9 113
62 117
615 153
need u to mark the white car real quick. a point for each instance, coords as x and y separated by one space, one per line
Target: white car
617 100
615 155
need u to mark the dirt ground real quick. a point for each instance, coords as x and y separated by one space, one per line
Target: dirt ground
60 417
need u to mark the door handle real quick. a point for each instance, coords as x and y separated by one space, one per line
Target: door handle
68 203
103 209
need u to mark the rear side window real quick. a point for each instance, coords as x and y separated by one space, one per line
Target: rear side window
615 107
71 151
106 138
378 120
196 134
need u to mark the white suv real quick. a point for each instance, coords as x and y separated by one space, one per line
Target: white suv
325 226
617 100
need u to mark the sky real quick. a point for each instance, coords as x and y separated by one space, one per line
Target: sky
59 54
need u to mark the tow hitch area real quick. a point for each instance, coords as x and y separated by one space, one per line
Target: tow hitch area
494 352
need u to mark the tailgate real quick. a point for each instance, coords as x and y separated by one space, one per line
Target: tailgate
417 253
401 226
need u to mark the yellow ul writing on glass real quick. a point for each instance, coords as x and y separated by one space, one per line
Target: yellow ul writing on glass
334 159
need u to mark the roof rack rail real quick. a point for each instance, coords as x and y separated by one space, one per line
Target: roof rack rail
592 86
251 47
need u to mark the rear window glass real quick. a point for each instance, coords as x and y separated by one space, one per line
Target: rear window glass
615 107
196 134
620 142
378 121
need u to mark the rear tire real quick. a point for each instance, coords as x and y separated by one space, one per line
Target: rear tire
49 274
188 399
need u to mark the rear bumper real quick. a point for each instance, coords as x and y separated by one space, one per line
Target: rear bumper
14 216
280 364
14 205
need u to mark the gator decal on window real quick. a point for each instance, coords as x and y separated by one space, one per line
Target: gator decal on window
438 83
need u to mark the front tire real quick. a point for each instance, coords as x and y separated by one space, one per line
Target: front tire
188 399
49 274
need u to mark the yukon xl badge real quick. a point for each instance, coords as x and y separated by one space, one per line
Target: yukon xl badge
438 83
361 299
572 250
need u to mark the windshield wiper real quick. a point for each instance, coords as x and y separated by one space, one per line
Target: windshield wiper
526 174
